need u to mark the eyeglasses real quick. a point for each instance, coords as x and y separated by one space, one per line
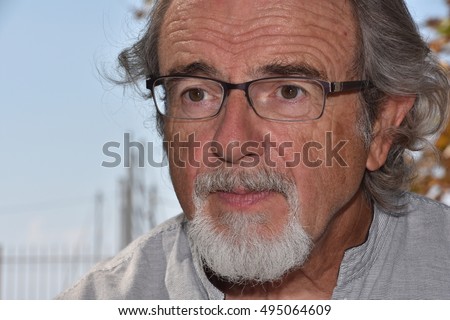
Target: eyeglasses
290 99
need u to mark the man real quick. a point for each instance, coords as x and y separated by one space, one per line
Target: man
287 125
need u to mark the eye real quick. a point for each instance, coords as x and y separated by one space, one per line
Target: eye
196 95
289 92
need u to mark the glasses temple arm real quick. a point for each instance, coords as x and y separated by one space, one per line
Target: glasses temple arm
349 86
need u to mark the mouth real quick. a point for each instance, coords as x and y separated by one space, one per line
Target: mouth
242 198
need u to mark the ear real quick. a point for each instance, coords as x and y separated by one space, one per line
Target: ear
391 116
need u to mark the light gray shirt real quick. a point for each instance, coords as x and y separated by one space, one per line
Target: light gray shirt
405 256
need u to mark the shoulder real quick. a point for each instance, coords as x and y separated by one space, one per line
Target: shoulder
136 271
424 212
423 222
406 255
153 243
417 252
415 201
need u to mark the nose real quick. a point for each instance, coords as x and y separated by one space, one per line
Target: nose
239 131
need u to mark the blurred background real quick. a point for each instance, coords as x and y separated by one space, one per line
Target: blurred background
61 210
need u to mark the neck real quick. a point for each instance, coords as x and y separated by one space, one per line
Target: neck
317 278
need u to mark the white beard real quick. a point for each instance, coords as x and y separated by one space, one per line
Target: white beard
241 253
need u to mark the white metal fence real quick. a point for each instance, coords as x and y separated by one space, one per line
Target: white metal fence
41 272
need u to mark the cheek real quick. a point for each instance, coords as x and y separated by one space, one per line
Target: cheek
185 143
182 180
329 175
182 173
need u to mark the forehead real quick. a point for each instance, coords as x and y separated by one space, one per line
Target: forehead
236 38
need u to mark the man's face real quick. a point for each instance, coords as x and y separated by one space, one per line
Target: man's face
265 175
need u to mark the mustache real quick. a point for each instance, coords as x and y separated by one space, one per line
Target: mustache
255 180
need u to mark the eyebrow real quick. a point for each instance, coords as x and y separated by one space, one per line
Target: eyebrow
275 69
195 68
302 69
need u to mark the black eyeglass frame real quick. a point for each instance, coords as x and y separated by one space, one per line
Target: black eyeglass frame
327 86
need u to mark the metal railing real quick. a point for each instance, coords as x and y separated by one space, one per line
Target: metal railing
41 272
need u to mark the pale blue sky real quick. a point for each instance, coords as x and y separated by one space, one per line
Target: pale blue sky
56 114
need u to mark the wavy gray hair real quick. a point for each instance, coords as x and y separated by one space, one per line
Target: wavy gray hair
394 57
391 54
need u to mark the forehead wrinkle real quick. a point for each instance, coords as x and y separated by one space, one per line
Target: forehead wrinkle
238 34
235 29
230 35
287 41
235 44
236 37
238 16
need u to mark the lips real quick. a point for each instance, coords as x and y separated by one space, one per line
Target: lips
243 198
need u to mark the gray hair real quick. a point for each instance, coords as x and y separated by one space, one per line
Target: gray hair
391 54
394 57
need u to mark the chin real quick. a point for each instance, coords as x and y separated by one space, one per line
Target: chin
236 249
